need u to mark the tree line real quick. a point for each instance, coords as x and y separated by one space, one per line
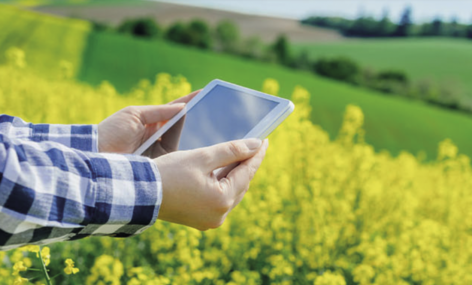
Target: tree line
225 37
369 27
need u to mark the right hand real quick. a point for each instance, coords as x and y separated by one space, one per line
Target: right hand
193 195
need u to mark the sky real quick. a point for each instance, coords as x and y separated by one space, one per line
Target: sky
423 10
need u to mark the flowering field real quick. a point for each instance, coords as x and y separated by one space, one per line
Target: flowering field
320 211
46 40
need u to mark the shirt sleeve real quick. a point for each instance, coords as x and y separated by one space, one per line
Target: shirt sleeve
49 193
81 137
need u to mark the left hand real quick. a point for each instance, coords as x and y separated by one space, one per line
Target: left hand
129 128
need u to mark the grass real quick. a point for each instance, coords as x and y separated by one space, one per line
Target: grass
422 58
393 124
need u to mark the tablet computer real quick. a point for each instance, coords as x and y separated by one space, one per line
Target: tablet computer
221 112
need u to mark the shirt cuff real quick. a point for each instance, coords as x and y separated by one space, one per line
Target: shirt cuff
80 137
128 195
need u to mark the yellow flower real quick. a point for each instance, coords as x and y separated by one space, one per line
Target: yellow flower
20 280
27 261
329 278
32 248
46 255
19 266
270 86
16 57
70 269
447 149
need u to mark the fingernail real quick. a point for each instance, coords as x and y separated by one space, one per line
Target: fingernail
266 142
178 104
253 144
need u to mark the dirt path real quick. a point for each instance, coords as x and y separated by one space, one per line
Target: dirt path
267 28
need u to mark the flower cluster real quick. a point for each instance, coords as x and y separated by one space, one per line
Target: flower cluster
320 211
70 268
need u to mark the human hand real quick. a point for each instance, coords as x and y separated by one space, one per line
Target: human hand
193 195
129 128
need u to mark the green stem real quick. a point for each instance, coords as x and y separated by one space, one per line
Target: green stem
55 276
43 267
34 269
31 279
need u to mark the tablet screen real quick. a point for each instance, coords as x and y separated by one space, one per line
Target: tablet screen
224 114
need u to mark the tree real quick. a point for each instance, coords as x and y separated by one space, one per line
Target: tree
385 27
405 24
145 27
196 33
434 28
251 47
199 34
455 29
227 35
340 68
282 50
101 27
393 75
469 31
437 27
177 33
303 60
363 27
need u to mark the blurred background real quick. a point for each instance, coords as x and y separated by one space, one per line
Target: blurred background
389 210
405 63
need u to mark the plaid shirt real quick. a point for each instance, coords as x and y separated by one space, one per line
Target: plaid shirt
54 186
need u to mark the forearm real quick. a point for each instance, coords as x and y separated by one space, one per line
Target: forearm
80 137
49 193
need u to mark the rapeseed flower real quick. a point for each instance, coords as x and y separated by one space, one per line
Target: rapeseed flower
318 212
46 255
70 269
20 280
32 248
19 266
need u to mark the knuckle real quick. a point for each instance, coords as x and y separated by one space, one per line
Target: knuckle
225 185
130 109
235 149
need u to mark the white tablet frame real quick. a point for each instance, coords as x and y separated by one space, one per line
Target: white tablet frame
261 130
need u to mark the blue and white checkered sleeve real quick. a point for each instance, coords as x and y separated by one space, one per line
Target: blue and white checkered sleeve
81 137
49 193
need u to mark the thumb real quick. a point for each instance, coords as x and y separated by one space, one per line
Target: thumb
158 113
227 153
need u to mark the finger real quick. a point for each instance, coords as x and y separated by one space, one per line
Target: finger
229 152
187 98
237 181
158 113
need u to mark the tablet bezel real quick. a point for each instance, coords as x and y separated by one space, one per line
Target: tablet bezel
262 129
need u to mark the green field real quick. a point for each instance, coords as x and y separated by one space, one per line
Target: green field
46 40
391 123
428 58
